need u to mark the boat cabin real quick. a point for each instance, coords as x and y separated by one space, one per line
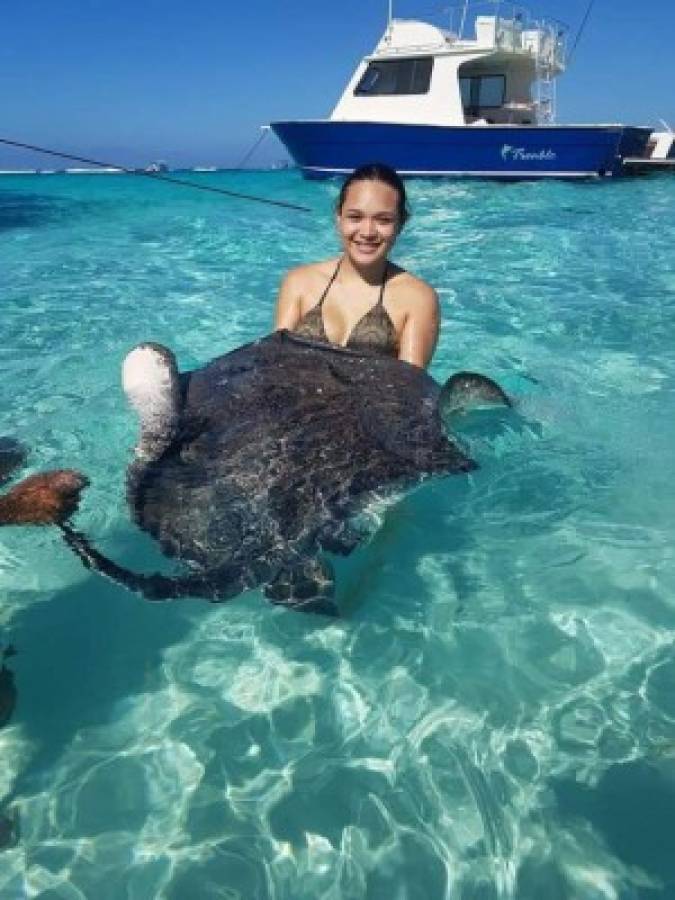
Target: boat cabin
423 74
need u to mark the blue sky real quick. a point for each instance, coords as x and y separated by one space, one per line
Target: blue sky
191 82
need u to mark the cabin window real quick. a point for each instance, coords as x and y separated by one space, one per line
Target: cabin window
396 76
482 92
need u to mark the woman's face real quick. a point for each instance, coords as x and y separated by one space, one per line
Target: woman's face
368 222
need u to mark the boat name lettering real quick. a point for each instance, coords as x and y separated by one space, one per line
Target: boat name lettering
509 152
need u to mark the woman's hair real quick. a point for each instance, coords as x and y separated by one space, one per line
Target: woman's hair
377 172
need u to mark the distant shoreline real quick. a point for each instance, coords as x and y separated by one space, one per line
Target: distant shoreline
194 170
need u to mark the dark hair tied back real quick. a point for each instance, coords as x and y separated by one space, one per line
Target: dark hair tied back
378 172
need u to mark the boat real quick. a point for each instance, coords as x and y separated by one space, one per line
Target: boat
431 102
159 167
658 155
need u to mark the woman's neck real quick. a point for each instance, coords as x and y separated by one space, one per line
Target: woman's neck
372 275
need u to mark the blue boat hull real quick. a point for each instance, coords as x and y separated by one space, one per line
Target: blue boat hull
326 148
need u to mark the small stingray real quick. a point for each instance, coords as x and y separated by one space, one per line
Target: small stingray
7 688
9 829
9 822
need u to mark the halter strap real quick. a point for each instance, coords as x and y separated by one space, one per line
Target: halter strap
384 281
330 283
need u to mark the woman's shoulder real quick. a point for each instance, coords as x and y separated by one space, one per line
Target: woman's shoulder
309 275
407 289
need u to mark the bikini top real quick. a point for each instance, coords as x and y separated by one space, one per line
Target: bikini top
374 331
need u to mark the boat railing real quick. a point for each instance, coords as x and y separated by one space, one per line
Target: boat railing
512 27
409 49
499 24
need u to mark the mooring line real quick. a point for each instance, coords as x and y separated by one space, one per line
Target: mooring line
249 153
157 176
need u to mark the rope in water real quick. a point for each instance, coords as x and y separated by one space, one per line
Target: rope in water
157 176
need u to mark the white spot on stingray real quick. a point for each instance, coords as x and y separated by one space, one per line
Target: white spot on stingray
149 382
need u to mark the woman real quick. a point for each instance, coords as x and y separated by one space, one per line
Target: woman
361 300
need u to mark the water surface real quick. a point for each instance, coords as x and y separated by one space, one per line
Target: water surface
494 714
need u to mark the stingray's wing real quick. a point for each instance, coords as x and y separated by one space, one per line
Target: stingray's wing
465 390
400 415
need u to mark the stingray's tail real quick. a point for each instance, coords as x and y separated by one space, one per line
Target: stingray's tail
152 587
215 589
50 498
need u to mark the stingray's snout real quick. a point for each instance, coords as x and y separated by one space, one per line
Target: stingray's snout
44 499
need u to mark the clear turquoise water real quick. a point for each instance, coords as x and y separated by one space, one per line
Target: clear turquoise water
494 715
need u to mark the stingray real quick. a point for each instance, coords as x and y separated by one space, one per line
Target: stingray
7 687
9 826
250 469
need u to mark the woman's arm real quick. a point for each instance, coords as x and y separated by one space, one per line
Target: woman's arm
288 311
420 331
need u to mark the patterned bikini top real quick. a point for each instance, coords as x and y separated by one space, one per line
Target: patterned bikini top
374 331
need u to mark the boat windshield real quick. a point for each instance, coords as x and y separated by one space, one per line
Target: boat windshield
396 76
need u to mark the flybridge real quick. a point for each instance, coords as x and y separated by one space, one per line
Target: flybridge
431 101
420 72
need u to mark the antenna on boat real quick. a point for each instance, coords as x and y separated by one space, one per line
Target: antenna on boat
390 14
580 31
463 19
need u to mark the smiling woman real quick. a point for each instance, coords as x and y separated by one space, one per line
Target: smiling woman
362 300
